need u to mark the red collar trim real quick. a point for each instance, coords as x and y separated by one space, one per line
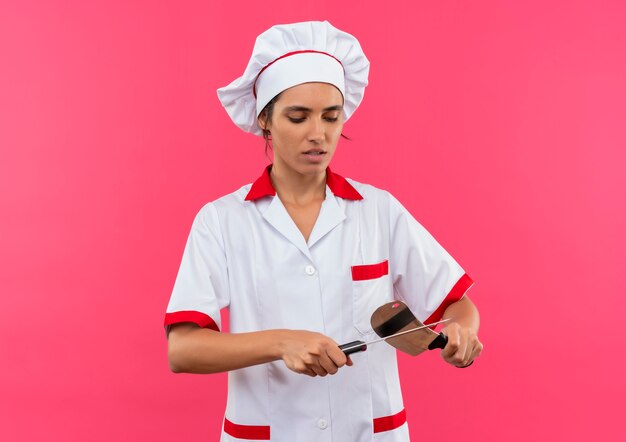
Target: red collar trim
341 187
338 185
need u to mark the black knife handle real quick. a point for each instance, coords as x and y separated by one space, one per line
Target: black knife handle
439 342
353 347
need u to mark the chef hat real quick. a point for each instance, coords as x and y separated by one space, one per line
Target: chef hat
287 55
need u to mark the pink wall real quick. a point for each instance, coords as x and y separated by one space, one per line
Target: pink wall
501 125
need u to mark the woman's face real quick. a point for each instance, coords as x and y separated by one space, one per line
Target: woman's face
305 127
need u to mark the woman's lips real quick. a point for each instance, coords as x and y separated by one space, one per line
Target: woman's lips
315 156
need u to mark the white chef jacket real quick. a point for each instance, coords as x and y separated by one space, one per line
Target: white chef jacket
246 254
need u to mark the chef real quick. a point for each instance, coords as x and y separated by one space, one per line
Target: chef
302 256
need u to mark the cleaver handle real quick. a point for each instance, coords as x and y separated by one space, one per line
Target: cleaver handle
353 347
439 342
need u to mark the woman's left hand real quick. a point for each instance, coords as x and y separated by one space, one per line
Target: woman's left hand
463 345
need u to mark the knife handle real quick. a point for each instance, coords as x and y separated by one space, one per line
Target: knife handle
353 347
439 342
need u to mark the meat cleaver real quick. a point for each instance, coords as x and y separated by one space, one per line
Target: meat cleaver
397 325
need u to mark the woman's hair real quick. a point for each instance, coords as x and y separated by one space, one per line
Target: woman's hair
266 116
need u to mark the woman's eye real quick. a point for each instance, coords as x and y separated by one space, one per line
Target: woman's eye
297 120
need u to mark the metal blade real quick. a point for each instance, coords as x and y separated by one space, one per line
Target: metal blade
408 331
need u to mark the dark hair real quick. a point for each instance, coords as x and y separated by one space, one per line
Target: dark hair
266 115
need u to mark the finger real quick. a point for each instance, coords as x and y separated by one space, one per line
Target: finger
349 362
312 363
327 364
309 372
300 368
338 357
478 349
454 340
459 357
469 350
318 370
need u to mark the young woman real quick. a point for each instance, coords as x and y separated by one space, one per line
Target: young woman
302 257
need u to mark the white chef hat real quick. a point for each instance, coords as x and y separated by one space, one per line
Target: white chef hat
287 55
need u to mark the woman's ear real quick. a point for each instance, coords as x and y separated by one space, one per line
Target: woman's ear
262 120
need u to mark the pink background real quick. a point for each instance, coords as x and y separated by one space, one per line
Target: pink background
499 124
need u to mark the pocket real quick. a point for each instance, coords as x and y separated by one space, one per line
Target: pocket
371 288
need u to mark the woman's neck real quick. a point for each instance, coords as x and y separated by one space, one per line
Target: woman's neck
298 189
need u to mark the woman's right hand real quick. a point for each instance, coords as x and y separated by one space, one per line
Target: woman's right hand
311 353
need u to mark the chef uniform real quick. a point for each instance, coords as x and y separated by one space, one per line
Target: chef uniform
246 254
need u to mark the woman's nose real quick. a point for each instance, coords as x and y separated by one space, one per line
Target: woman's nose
316 130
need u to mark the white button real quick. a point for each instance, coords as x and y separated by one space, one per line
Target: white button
309 270
322 424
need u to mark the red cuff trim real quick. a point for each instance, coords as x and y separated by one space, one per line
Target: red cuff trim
249 432
388 423
457 292
204 321
370 271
